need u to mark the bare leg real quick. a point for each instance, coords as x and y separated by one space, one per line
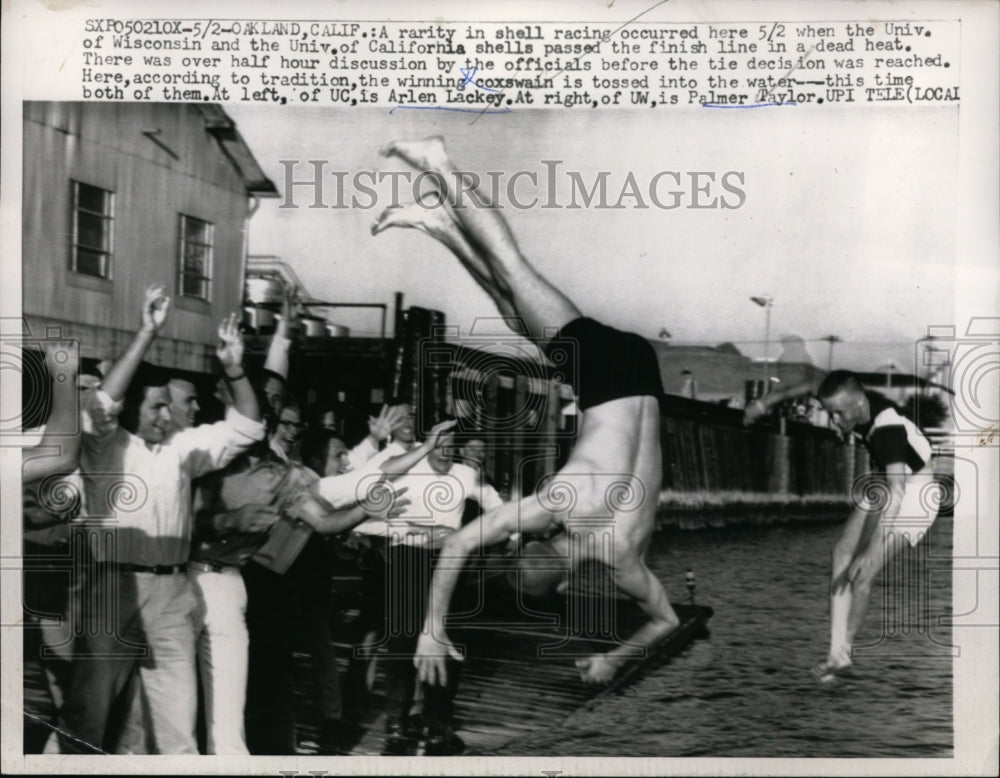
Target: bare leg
843 594
635 579
534 298
440 223
883 546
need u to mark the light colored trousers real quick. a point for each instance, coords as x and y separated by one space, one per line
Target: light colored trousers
223 651
134 621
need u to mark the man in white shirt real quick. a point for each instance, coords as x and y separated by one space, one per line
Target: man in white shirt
438 488
141 481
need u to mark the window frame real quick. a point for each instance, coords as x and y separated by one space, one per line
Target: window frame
184 240
106 253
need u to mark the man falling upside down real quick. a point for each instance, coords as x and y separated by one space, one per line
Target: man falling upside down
615 468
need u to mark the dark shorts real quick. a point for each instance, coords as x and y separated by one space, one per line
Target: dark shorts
603 363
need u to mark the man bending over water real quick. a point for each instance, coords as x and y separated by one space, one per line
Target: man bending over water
615 468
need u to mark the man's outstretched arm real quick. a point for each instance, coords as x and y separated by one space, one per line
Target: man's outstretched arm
763 405
434 647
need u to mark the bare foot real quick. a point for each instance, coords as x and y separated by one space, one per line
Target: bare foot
436 222
426 154
597 669
828 670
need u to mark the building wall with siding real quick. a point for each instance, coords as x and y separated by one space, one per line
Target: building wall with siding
103 144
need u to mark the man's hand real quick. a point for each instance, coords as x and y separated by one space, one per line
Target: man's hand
62 357
754 411
438 535
230 348
399 503
864 566
598 668
431 657
381 500
380 427
253 518
439 429
154 309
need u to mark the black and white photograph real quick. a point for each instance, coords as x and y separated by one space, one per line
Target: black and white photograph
488 389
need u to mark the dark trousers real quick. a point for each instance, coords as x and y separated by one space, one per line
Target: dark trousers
311 580
50 605
270 709
361 665
408 573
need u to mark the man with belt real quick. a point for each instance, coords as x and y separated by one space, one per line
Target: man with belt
438 488
240 507
141 612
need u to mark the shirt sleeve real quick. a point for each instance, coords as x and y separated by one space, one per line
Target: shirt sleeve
341 490
888 444
277 355
490 497
361 453
209 447
302 498
99 417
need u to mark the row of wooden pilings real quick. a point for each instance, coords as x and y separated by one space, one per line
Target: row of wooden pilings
706 447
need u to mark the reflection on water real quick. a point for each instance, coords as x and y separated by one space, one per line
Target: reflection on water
746 690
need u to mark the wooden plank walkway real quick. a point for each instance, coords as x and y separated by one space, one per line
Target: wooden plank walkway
518 676
519 673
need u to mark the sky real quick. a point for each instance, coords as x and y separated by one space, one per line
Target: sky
848 221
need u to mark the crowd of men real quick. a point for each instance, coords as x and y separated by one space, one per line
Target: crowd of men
195 546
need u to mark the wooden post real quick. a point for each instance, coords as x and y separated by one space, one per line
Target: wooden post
779 457
519 409
552 413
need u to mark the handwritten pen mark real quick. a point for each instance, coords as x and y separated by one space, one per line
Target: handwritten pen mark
605 37
986 436
786 77
447 108
752 105
469 77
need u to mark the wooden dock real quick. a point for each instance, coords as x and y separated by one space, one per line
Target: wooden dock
519 673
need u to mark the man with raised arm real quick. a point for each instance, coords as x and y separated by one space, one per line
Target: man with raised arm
615 468
887 510
136 476
887 506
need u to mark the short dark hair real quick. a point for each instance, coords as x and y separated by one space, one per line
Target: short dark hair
316 448
260 376
838 381
147 376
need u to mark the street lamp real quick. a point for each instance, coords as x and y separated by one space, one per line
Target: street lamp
831 339
889 367
766 302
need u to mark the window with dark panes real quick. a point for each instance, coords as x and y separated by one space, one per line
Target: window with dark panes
196 258
93 216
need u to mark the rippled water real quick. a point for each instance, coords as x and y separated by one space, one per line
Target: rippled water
745 691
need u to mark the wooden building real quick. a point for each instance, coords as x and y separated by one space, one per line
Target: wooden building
119 196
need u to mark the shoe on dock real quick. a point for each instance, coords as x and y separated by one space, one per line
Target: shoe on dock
397 742
338 737
443 743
